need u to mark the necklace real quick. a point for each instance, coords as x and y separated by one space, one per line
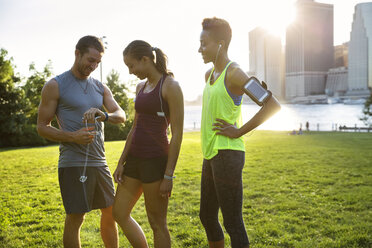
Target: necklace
86 87
149 87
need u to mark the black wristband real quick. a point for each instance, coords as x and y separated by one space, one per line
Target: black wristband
106 116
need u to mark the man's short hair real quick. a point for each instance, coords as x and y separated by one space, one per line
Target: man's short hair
90 41
218 28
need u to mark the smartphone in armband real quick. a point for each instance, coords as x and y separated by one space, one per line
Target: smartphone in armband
254 89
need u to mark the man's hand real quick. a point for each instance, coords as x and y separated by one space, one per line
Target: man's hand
84 135
91 114
226 129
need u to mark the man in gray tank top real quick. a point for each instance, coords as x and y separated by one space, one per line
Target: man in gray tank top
76 99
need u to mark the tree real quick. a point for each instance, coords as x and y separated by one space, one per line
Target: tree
33 86
367 112
121 93
12 103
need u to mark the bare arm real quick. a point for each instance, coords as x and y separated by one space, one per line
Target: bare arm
120 166
236 81
173 95
118 173
174 98
46 113
115 113
268 109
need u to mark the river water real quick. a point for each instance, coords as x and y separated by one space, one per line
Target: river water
322 117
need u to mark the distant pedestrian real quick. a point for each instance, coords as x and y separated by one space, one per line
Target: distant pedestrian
307 126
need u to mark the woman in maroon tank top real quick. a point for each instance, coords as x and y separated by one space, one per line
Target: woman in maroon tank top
148 160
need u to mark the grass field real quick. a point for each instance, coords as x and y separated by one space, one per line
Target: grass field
313 190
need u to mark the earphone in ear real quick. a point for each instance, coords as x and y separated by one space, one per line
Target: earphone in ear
218 51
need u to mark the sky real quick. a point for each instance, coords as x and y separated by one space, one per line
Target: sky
41 30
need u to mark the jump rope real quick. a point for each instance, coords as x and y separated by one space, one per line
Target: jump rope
84 177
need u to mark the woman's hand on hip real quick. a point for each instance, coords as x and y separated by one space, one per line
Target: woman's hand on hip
226 129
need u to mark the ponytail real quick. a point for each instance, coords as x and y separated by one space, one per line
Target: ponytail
139 48
161 60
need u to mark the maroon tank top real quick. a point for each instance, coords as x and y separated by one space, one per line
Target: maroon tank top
150 138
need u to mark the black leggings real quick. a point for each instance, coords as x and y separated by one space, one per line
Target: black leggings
221 186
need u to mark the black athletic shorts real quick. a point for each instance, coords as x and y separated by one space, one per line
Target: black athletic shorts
147 170
96 192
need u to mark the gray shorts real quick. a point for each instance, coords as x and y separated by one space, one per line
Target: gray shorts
96 192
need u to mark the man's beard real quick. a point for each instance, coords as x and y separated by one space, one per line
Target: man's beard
84 70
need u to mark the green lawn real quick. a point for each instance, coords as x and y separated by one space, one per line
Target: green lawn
313 190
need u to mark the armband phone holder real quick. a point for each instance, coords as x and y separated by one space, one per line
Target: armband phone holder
257 91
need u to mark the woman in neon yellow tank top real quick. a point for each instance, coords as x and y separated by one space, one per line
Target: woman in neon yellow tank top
221 135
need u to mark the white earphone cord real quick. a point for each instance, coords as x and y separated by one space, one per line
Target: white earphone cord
218 52
83 177
161 102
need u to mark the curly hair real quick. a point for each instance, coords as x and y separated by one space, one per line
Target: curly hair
218 28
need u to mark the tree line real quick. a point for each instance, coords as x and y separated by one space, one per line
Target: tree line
20 98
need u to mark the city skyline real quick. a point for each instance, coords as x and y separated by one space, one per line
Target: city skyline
266 60
315 69
51 30
360 51
309 51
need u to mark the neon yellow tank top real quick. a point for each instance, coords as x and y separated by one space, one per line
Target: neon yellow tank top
217 103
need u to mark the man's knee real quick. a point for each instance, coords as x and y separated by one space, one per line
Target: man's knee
75 219
107 213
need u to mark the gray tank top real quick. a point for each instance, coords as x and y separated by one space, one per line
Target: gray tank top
75 98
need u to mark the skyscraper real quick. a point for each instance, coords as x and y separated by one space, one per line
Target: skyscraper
341 55
266 60
360 51
309 49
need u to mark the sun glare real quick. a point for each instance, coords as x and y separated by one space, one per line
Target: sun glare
277 17
284 120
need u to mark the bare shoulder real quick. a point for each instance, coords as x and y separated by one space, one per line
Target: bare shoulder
235 75
170 82
171 89
50 88
139 86
208 73
235 70
51 83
